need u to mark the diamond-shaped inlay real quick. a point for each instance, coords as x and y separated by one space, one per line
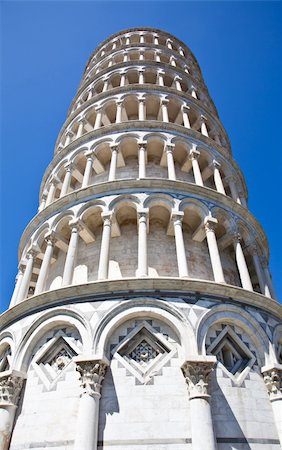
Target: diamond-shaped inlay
232 353
143 353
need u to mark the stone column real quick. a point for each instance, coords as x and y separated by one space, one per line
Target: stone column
194 156
105 247
168 43
142 159
41 280
164 103
98 119
179 244
88 168
125 57
268 278
71 253
161 78
82 122
90 94
204 129
172 61
141 76
10 388
67 179
23 290
210 224
142 217
193 92
197 373
259 271
241 263
43 201
51 193
113 165
119 111
170 162
92 373
69 136
186 121
177 80
217 177
141 56
106 84
158 57
123 79
233 189
19 279
273 380
156 39
141 109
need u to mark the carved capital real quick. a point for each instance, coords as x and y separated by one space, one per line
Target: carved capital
92 373
197 374
10 388
273 382
210 223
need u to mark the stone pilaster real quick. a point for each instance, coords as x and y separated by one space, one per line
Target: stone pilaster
272 377
92 372
197 375
11 383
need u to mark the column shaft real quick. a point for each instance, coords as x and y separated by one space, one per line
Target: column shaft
71 256
170 163
113 165
51 193
213 251
40 285
66 182
180 248
142 161
23 290
142 270
87 172
242 266
105 249
19 279
217 178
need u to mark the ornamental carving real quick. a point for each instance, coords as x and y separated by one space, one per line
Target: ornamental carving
92 374
197 374
10 388
273 382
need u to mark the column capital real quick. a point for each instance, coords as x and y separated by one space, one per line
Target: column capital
75 225
107 217
176 216
197 374
69 133
89 154
50 237
141 99
210 223
216 164
142 145
236 236
55 180
98 108
194 154
92 373
169 148
272 377
68 166
185 108
203 118
141 69
143 213
82 120
11 383
164 101
177 78
114 147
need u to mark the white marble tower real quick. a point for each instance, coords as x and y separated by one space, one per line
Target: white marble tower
143 316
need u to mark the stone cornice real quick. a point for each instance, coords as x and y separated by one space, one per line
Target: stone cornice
145 88
148 64
140 287
152 30
162 185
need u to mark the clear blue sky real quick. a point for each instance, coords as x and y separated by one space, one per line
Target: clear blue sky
45 46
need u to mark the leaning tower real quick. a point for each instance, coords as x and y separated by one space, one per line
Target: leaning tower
143 315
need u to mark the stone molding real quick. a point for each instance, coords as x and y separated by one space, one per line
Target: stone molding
101 290
11 383
92 373
197 376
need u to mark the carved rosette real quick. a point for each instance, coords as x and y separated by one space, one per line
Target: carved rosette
197 374
10 388
92 374
273 382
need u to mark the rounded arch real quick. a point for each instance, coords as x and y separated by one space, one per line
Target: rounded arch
164 200
38 237
130 200
141 307
62 218
48 321
231 314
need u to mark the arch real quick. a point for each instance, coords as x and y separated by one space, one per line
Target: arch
123 200
48 321
164 200
231 314
64 216
151 307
